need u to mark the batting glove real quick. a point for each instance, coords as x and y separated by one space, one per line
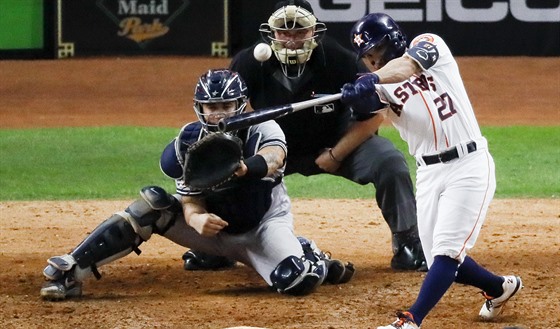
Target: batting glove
361 95
363 87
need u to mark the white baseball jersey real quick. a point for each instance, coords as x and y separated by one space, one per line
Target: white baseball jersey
433 114
431 111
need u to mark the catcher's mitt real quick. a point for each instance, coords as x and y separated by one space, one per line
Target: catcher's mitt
212 161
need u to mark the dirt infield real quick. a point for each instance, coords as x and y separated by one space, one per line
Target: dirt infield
153 291
158 91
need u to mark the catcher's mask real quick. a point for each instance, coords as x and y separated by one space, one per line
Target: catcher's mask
219 86
292 32
378 30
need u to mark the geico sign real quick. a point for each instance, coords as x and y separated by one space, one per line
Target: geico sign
432 10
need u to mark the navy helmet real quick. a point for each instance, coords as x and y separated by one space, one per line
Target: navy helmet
219 86
375 30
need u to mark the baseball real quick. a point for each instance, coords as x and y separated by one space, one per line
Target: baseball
262 52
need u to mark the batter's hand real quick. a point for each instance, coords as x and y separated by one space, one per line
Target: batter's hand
364 102
206 224
363 87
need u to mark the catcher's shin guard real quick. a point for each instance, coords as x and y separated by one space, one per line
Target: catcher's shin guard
114 238
121 233
294 276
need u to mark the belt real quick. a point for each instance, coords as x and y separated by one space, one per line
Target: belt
448 155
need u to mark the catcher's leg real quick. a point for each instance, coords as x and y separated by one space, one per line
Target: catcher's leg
114 238
301 276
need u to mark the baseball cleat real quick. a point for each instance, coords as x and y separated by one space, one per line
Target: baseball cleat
61 289
338 272
409 258
408 254
495 306
198 261
405 320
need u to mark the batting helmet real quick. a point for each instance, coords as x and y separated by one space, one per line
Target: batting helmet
375 30
219 86
292 16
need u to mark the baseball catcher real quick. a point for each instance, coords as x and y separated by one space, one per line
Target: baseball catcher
231 202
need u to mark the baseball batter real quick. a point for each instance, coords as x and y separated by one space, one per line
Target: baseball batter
420 89
248 219
329 139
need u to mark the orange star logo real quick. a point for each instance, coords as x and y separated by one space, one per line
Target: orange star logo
358 39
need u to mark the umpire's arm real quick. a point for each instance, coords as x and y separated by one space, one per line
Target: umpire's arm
330 159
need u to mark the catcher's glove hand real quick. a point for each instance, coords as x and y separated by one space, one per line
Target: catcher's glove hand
212 161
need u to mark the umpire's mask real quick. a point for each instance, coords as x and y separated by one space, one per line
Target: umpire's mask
292 32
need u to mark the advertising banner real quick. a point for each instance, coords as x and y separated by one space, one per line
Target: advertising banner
470 27
131 27
223 27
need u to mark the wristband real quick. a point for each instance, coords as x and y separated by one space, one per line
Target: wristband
332 156
256 166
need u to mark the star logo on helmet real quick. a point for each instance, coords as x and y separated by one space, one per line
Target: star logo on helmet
215 93
358 39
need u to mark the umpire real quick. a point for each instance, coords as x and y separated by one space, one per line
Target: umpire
328 138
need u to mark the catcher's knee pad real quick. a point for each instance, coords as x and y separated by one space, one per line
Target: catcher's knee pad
294 276
153 213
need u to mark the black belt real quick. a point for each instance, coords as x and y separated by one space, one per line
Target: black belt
447 155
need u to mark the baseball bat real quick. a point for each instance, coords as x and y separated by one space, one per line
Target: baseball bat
245 120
